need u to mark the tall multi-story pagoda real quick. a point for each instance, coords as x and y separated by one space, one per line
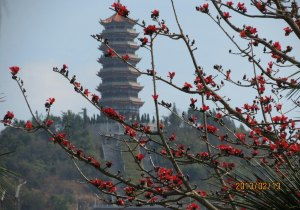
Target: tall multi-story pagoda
119 87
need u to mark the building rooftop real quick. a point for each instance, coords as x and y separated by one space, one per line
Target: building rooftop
116 18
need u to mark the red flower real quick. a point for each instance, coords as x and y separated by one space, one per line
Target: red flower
144 41
155 97
86 92
260 6
120 202
277 46
241 136
254 152
113 114
204 108
288 30
139 157
172 137
171 75
14 70
129 190
120 9
95 98
241 7
192 206
226 15
149 30
9 116
49 122
28 126
202 193
129 131
187 86
229 3
110 53
96 182
211 129
125 57
251 30
95 163
204 155
154 14
203 8
218 116
243 34
51 101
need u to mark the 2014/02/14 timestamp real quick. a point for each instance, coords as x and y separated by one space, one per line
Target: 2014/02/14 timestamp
257 186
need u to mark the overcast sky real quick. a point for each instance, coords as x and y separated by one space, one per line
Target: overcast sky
40 34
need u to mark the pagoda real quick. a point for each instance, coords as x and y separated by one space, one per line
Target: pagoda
119 88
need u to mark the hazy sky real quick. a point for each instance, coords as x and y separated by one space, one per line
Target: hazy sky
40 34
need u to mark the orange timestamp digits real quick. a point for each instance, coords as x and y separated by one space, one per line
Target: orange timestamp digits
259 186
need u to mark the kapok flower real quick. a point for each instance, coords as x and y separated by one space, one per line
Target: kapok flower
28 125
203 8
149 30
9 116
226 15
95 98
110 53
287 31
171 75
277 46
241 136
155 13
241 7
139 157
187 86
86 92
125 57
204 108
260 6
120 9
120 202
129 131
229 3
51 100
172 137
14 70
144 41
49 122
192 206
155 97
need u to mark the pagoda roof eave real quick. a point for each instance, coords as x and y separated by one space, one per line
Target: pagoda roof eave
116 18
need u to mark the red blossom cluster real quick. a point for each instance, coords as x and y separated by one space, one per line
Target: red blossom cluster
113 114
120 9
104 185
229 150
203 8
129 131
150 30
